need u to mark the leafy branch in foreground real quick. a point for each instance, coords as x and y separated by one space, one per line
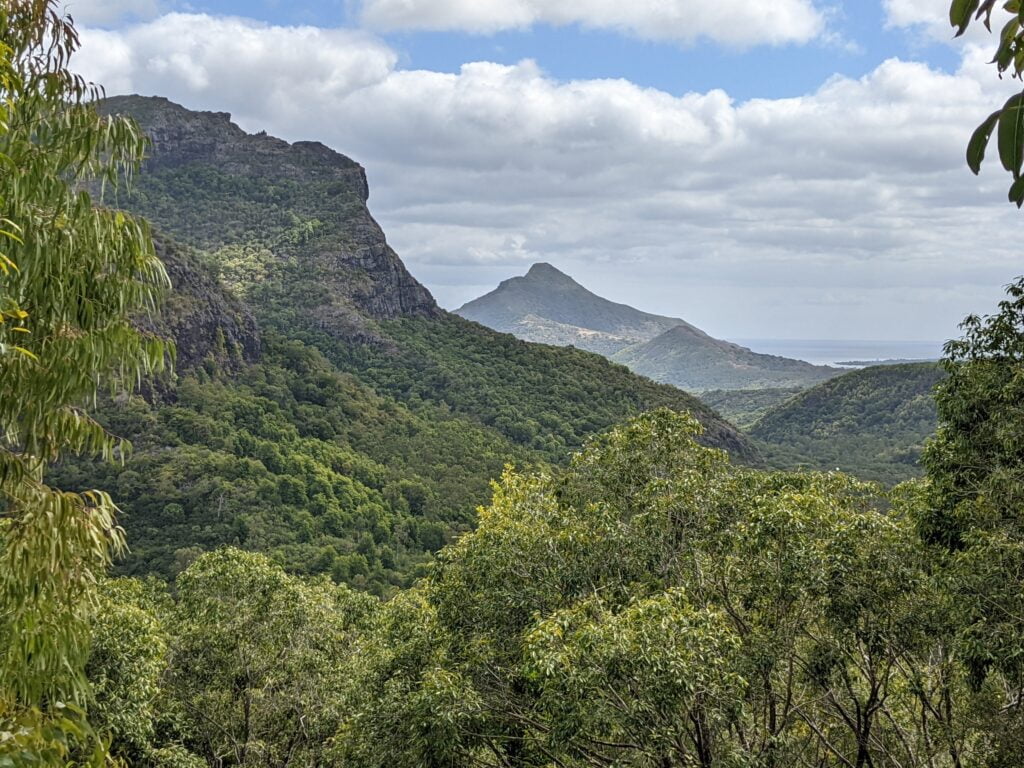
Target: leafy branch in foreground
72 276
1007 122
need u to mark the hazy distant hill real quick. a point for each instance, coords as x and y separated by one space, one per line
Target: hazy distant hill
548 306
871 423
744 407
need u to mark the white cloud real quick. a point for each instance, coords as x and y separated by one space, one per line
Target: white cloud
102 12
930 18
733 22
926 13
251 69
744 217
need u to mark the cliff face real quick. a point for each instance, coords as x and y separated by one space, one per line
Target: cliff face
212 185
205 321
285 227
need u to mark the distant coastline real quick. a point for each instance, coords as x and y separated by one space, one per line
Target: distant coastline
890 361
847 353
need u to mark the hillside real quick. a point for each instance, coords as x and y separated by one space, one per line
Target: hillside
744 407
871 423
325 409
692 360
549 307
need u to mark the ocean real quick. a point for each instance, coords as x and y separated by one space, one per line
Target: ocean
831 351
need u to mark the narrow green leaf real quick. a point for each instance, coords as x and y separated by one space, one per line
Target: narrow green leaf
1017 193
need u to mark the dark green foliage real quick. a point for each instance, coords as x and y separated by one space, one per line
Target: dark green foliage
1007 122
326 410
978 454
743 407
291 457
546 398
871 423
976 467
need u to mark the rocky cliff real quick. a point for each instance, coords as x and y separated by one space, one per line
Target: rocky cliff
206 322
286 228
214 186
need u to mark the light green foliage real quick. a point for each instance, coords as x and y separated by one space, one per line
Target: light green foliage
72 276
257 660
408 708
653 606
127 658
655 678
976 467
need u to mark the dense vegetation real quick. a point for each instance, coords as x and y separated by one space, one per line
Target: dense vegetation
649 604
291 457
872 423
743 407
324 410
73 276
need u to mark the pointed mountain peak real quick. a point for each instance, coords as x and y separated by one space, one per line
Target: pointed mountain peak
544 271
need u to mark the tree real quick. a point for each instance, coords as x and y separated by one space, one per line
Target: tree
258 660
73 274
654 606
1007 122
127 658
975 467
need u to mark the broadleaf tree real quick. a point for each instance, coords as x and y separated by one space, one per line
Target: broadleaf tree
1007 122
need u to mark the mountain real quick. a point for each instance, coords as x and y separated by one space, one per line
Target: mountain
324 409
871 422
549 307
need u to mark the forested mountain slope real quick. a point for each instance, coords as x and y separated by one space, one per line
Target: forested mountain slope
325 408
692 360
871 423
548 306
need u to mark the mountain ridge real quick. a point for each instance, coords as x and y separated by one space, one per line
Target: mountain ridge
543 291
872 422
548 306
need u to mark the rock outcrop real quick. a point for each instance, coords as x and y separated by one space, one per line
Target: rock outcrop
206 322
303 202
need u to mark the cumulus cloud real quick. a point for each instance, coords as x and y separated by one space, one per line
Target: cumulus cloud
733 22
931 19
908 13
246 67
848 207
102 12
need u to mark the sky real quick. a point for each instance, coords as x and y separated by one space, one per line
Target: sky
790 169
